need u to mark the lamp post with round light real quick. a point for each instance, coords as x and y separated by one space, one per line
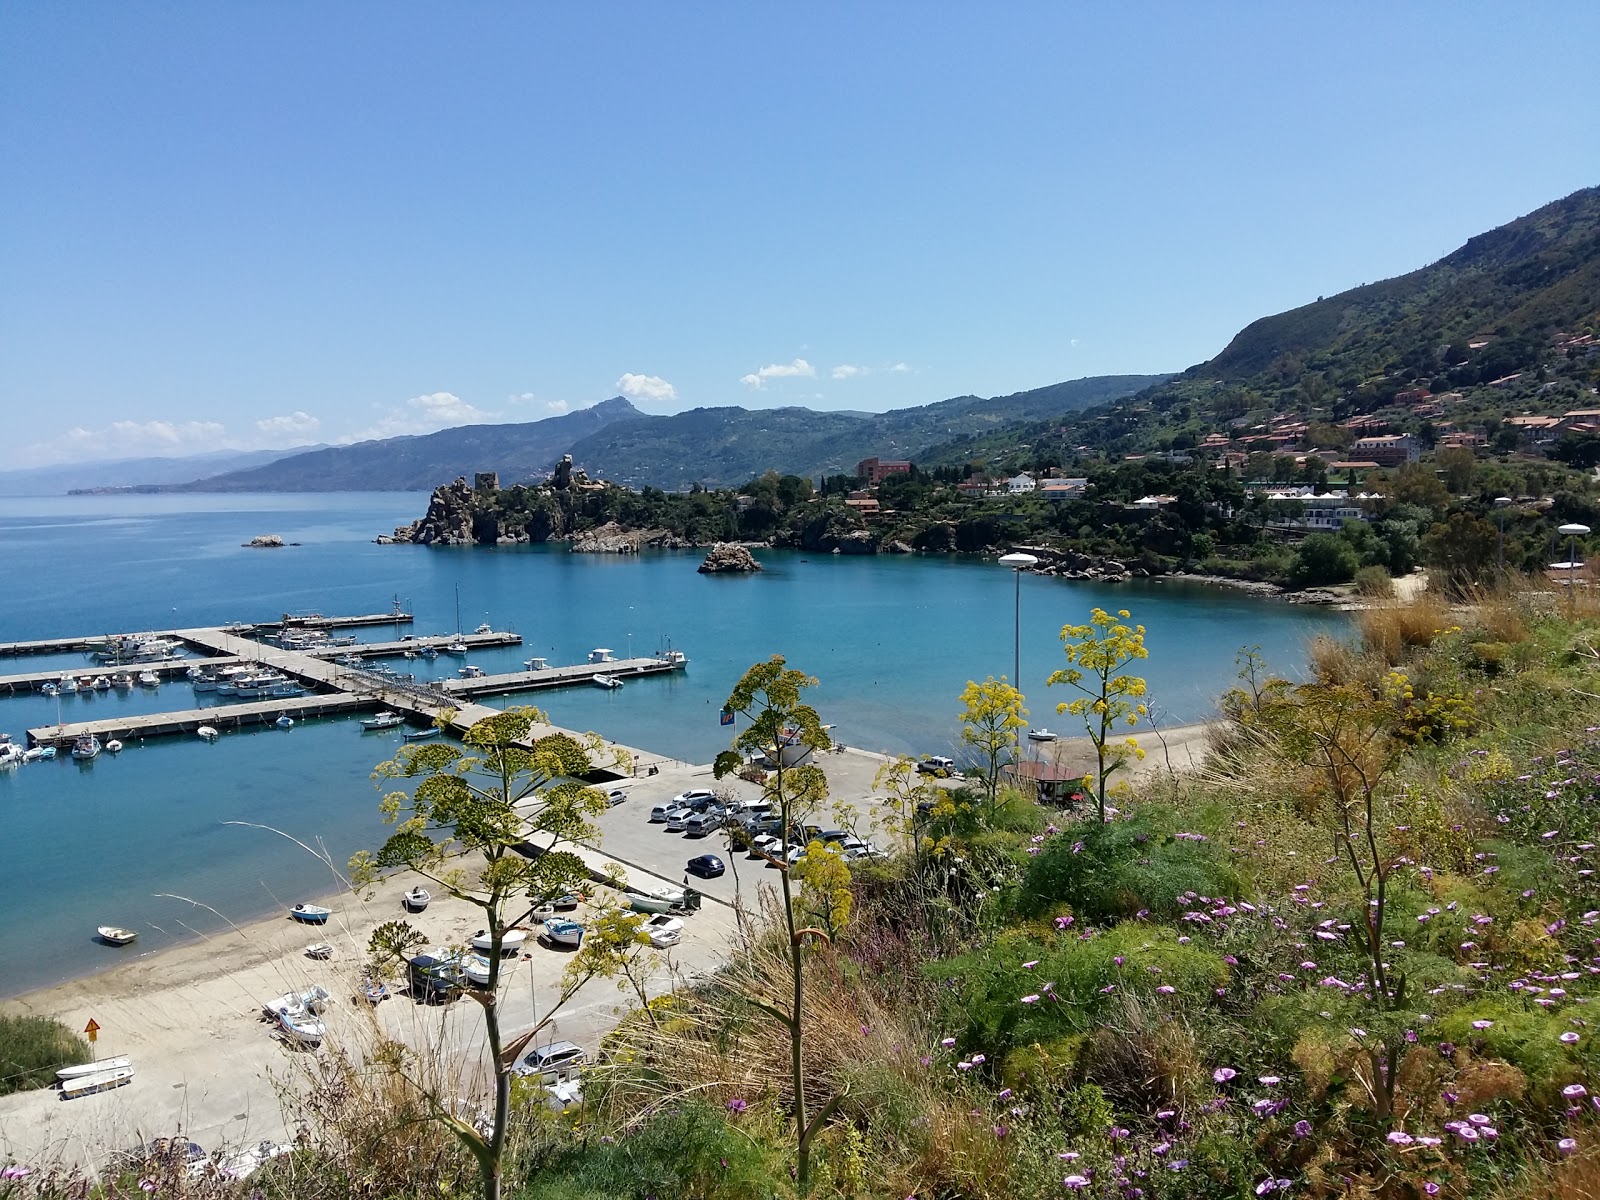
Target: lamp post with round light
1018 562
1572 533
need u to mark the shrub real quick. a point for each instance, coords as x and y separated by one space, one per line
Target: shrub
1394 629
1375 583
32 1048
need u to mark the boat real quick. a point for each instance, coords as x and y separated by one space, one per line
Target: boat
373 989
536 664
652 902
382 720
12 755
208 732
510 941
311 914
149 679
606 681
101 1081
476 968
456 648
484 628
122 681
284 721
67 685
313 1000
471 671
418 899
50 689
564 931
86 747
102 684
114 746
422 735
117 1063
1041 735
115 935
299 1025
322 950
38 753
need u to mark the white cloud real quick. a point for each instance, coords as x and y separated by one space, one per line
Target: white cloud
851 371
779 371
556 407
901 368
289 430
846 371
646 387
131 439
422 414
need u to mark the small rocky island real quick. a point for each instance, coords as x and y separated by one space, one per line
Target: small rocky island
265 541
729 558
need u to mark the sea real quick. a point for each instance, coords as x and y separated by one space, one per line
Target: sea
177 837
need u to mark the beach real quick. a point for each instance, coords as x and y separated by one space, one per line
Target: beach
206 1062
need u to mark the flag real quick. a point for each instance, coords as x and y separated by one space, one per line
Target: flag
726 718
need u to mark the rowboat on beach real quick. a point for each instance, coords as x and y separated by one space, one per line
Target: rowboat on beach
510 941
115 935
94 1068
564 932
103 1081
418 898
311 914
322 950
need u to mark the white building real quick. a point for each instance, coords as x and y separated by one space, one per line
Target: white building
1017 485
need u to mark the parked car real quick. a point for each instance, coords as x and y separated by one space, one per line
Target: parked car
838 836
701 824
854 848
678 819
707 866
616 796
552 1062
690 797
659 813
938 765
766 845
664 931
435 977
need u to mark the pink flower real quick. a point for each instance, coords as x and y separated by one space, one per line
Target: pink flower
1166 989
1567 1145
1031 999
1030 964
1482 1024
1223 1074
947 1042
1076 1182
1574 1090
1569 1037
1302 1129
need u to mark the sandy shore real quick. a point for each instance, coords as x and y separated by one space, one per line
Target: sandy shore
206 1063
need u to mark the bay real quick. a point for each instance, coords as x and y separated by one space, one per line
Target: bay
144 839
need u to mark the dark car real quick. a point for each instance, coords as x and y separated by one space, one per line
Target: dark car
707 866
435 978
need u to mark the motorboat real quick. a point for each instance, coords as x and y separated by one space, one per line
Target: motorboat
663 931
422 735
114 746
1041 735
535 664
311 914
320 950
102 684
313 1000
564 931
149 679
653 902
99 1081
471 671
38 753
86 747
50 689
302 1027
510 941
208 732
116 1063
382 720
373 990
284 721
115 935
484 628
418 898
605 681
476 968
12 755
122 681
67 685
429 652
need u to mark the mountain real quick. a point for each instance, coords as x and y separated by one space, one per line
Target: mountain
725 447
421 463
717 447
132 472
1534 276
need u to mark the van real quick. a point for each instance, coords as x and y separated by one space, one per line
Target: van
553 1063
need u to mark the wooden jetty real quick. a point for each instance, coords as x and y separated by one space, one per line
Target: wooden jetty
33 681
334 688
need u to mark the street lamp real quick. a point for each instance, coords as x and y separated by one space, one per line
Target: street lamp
1019 562
1572 533
1502 503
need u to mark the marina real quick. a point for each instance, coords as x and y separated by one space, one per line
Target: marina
331 688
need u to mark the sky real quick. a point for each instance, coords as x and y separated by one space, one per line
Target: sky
246 226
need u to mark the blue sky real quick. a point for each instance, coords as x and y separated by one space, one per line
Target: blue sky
277 224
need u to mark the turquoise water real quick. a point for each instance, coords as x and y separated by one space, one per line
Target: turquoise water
892 640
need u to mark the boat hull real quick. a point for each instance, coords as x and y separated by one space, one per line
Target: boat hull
564 933
310 915
120 1062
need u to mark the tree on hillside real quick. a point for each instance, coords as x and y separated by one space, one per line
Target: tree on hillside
1462 549
992 718
1322 559
1097 652
789 734
501 788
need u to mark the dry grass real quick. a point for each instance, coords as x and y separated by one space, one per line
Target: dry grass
1392 630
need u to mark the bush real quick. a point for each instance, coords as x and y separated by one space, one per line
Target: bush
1323 558
32 1048
1374 583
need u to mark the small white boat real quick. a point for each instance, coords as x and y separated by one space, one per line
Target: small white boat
299 1025
456 648
606 681
321 950
476 968
311 914
118 1063
114 746
67 685
285 721
149 679
208 732
115 935
382 720
122 681
87 746
38 753
418 899
510 941
102 684
564 932
313 1000
1041 735
12 755
100 1081
484 628
471 672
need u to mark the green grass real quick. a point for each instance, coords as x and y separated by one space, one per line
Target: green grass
32 1048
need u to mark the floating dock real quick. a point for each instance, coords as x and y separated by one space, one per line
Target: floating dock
333 687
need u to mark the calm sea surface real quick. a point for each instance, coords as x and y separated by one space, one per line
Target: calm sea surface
141 839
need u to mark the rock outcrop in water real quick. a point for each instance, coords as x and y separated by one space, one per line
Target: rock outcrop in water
264 541
612 538
729 558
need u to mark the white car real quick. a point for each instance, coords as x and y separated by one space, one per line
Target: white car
694 796
664 931
559 1097
678 819
767 844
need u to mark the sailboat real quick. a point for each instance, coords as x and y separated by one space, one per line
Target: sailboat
458 646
